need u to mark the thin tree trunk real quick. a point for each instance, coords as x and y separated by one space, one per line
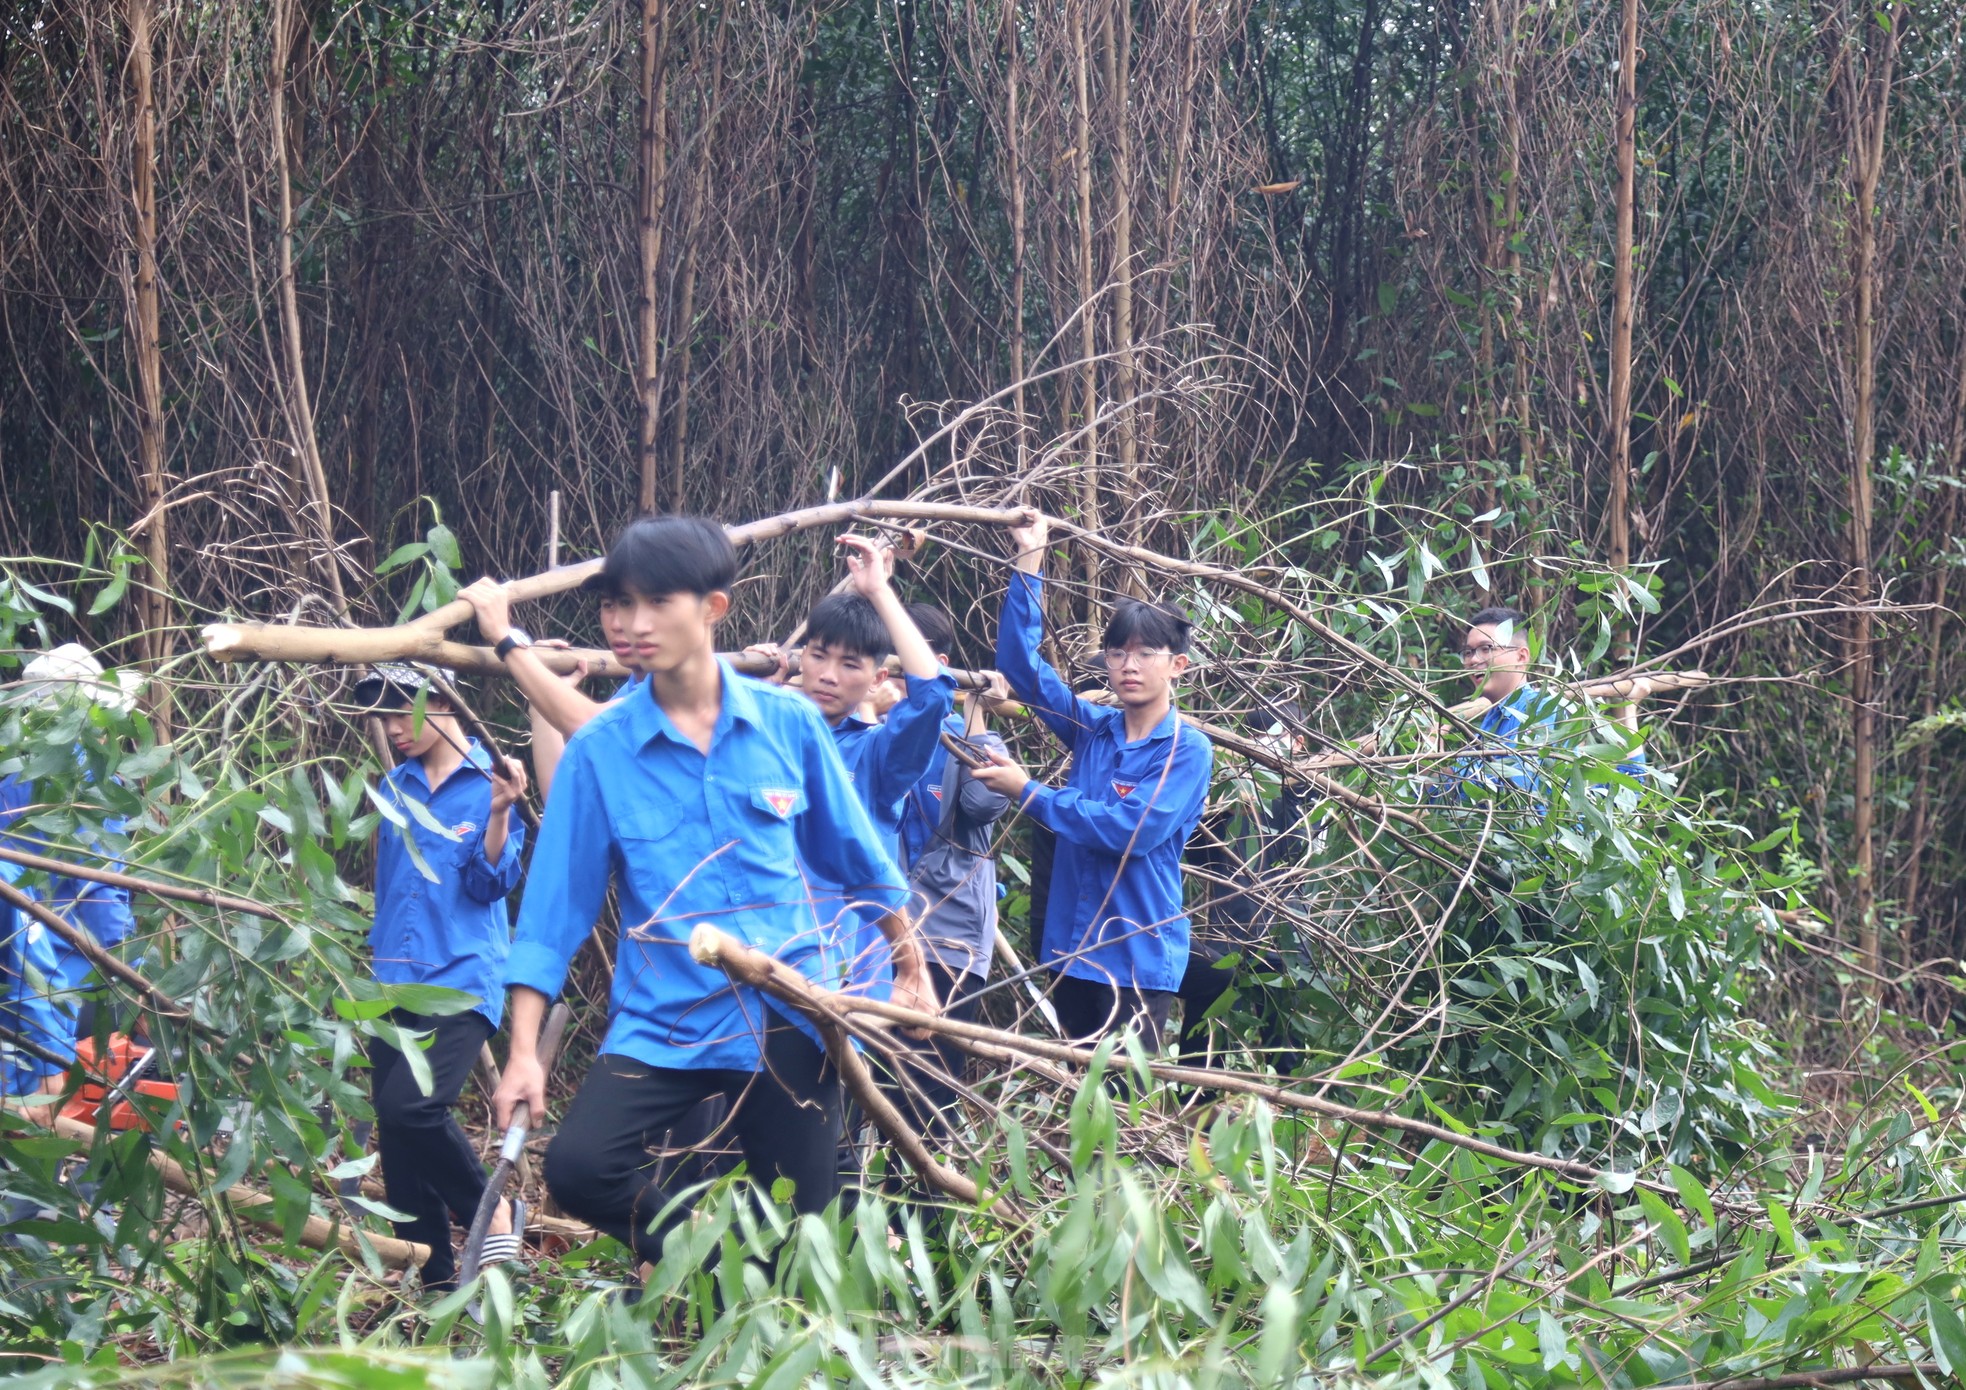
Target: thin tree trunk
306 448
1934 641
1868 119
655 154
1088 341
1119 63
1619 395
1013 150
153 596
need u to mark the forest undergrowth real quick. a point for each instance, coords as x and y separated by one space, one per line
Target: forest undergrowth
1564 1128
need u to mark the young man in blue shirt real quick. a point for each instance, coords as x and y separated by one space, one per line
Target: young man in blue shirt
439 920
849 637
1116 931
1495 651
699 795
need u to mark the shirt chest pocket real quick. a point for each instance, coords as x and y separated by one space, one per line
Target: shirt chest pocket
653 848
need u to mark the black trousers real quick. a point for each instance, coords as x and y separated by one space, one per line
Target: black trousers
787 1119
921 1095
1201 985
429 1168
1092 1008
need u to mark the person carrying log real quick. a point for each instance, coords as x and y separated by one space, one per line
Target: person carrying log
1116 931
698 796
446 859
849 637
1520 717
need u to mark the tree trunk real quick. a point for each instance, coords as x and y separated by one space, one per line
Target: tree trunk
1119 63
1934 641
1618 398
1013 154
153 595
655 33
1868 112
300 408
1088 340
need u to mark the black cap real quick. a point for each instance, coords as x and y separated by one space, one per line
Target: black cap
390 685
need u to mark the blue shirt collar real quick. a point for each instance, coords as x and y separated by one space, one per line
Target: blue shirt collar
1164 729
473 754
648 721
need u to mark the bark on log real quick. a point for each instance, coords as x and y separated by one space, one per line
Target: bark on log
708 946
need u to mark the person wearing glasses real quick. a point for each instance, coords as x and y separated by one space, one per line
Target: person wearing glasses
1495 652
1116 931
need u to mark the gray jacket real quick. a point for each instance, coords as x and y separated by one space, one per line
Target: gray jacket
954 881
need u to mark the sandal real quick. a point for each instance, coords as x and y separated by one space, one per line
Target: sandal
507 1247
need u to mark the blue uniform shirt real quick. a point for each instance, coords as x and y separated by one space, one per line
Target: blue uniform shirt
27 972
1122 819
922 812
691 837
102 911
454 932
1519 724
884 762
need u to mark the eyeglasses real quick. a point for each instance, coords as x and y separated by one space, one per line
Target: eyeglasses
1482 650
1119 658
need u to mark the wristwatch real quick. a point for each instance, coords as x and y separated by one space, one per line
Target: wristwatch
514 637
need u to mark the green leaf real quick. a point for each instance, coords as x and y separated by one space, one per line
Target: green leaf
1693 1194
1948 1335
402 555
1667 1223
1617 1184
443 544
1551 1339
52 600
112 592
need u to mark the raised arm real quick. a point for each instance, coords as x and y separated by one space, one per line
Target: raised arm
571 867
558 701
494 871
1020 632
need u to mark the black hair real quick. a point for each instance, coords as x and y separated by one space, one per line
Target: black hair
656 556
1149 624
1517 620
848 623
1288 713
935 626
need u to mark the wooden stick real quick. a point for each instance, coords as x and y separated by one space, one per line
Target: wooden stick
205 897
319 1233
708 946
